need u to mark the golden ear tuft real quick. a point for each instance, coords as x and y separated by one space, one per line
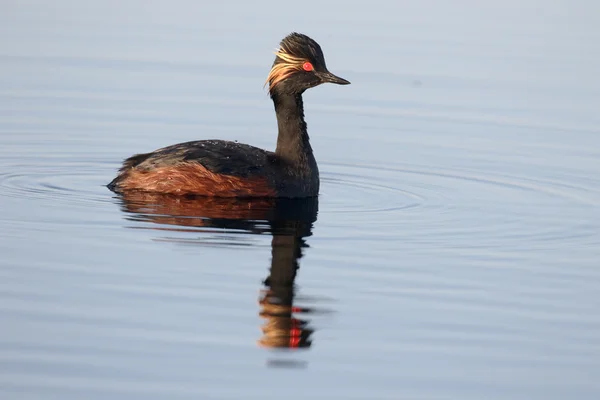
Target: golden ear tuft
283 70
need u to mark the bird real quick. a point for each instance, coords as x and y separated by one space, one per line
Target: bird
222 168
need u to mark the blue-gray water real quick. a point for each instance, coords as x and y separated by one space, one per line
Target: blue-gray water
455 254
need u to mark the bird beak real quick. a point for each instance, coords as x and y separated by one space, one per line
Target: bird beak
331 78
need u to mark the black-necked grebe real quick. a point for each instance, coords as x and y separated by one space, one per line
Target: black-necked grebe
229 169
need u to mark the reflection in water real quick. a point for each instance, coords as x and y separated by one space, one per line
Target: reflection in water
281 329
288 220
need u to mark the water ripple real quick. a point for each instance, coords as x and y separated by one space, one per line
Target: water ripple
462 203
64 182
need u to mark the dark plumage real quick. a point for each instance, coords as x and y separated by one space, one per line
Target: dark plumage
230 169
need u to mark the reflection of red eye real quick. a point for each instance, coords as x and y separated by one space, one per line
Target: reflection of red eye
307 66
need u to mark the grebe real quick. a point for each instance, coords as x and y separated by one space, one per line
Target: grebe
222 168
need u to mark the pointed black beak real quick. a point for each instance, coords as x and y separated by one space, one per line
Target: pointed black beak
331 78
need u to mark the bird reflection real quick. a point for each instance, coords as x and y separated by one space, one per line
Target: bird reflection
290 221
281 329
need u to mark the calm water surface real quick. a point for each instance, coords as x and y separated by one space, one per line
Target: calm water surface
453 253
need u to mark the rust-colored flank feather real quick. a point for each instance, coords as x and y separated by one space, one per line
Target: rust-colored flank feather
193 178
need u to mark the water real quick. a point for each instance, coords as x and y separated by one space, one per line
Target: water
453 252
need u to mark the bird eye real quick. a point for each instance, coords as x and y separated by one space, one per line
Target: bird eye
307 66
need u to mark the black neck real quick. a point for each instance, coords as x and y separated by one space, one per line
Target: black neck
292 141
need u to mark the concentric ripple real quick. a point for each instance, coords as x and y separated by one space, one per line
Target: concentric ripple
457 202
463 203
70 183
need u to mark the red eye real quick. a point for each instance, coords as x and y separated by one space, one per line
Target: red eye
307 66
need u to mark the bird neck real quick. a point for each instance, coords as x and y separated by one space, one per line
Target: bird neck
292 142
